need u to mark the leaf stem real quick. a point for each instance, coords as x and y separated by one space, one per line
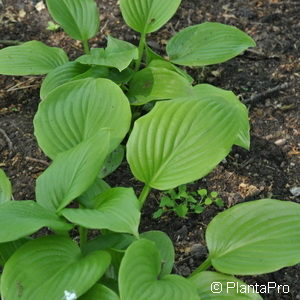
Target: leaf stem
204 266
144 194
86 47
141 51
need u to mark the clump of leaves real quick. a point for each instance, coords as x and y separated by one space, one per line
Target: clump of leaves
182 202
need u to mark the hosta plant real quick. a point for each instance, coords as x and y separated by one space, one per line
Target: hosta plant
178 141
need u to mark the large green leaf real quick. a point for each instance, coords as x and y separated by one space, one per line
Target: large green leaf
118 54
207 44
5 188
78 18
182 140
88 199
216 286
255 237
117 209
8 249
30 58
140 279
100 292
22 218
243 137
77 110
157 84
165 247
61 75
72 172
146 16
51 268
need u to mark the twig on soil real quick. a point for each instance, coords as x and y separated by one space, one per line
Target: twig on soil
261 54
37 160
259 96
9 142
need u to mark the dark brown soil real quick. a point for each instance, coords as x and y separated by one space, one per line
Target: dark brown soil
269 169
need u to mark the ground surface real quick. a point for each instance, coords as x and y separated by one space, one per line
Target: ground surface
269 169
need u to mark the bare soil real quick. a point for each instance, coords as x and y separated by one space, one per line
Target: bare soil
267 79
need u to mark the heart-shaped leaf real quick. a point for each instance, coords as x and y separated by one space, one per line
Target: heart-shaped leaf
72 172
165 247
207 44
5 188
51 268
77 110
139 276
182 140
78 18
22 218
148 16
255 237
98 292
30 58
61 75
157 84
207 90
212 285
118 54
117 209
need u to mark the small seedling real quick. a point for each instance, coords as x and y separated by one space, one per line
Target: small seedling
183 202
52 26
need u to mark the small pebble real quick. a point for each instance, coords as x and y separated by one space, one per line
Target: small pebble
280 142
198 250
295 191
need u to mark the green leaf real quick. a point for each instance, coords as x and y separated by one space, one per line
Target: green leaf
157 84
53 268
30 58
94 72
152 55
117 209
9 248
22 218
202 192
5 188
207 90
158 213
98 292
161 63
148 16
212 285
61 75
88 198
77 110
72 172
198 209
206 44
208 201
78 18
181 210
182 140
139 276
120 77
219 202
118 54
165 248
214 194
113 161
255 237
167 201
